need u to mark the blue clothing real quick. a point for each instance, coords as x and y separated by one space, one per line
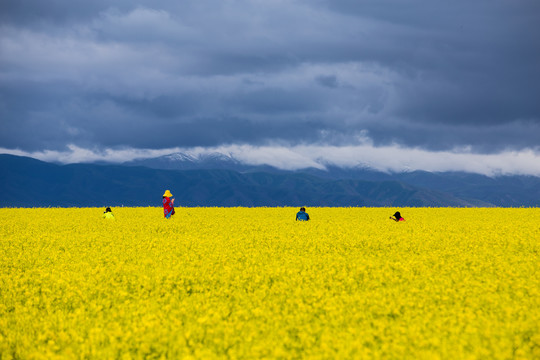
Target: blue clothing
302 216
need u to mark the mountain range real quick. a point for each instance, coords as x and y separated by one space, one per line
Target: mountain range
222 180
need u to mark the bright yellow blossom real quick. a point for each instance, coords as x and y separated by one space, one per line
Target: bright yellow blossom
254 283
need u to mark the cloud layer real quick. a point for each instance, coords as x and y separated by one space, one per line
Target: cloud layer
433 76
391 158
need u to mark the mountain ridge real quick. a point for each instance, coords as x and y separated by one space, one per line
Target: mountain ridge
29 182
478 189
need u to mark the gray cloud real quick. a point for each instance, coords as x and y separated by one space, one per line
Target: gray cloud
162 74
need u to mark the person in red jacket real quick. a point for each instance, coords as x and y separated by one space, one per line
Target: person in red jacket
397 217
168 204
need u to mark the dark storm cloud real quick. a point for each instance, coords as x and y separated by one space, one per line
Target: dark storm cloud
431 74
437 137
327 80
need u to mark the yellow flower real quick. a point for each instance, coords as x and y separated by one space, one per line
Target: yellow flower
254 283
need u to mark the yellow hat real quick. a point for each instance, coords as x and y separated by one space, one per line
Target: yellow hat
167 193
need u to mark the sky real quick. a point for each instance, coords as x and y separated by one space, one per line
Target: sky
395 85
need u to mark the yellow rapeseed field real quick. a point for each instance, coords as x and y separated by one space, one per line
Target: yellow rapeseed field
253 283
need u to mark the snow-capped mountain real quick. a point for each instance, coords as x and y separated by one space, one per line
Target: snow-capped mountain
187 161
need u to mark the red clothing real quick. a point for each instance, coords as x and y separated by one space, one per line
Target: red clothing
168 206
401 219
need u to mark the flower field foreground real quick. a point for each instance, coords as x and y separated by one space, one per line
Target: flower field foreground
254 283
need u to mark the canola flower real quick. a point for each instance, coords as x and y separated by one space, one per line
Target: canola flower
250 283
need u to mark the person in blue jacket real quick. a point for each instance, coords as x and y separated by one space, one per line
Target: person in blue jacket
302 215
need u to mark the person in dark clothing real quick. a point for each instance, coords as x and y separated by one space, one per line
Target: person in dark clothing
302 215
397 217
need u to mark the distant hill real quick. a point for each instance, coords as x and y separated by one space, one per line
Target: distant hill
473 189
503 191
27 182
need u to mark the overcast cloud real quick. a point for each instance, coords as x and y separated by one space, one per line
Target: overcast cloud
438 81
